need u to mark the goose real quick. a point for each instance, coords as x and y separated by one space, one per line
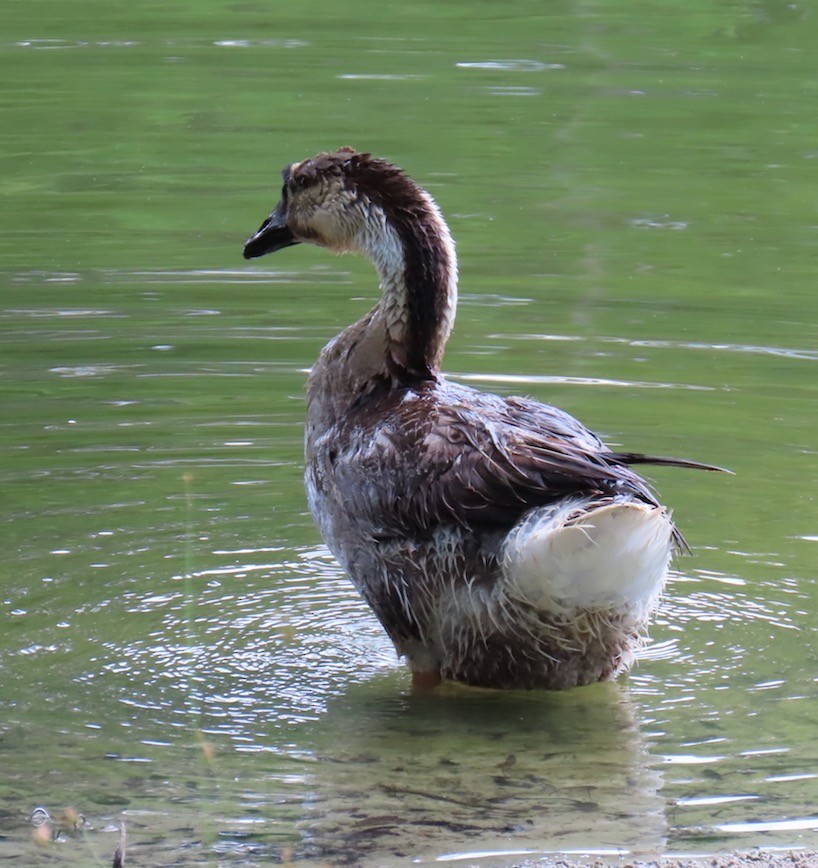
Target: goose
499 542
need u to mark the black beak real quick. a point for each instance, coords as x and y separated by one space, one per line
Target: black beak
272 235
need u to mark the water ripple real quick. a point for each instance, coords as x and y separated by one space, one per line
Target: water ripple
247 275
351 76
41 43
513 91
260 43
510 65
44 43
808 354
545 379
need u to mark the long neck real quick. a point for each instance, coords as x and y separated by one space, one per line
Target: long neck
416 261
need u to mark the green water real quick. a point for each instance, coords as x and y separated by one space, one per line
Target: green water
632 188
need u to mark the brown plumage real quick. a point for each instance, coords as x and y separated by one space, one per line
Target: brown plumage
498 540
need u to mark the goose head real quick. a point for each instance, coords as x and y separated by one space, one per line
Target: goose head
349 201
345 201
318 204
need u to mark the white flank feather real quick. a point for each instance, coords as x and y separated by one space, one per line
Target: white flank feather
563 558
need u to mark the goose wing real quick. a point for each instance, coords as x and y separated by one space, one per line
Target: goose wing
447 454
490 467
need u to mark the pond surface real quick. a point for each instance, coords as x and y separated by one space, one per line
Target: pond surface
632 188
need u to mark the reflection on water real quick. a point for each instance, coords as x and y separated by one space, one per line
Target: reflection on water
431 777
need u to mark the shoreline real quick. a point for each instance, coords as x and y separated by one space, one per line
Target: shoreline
739 859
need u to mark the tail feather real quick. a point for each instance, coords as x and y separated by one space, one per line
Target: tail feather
586 555
663 461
